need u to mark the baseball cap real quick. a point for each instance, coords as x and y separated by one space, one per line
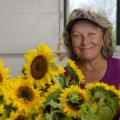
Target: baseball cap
83 14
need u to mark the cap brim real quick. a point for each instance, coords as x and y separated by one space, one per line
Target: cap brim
71 23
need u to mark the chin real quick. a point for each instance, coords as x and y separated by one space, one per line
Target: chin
87 58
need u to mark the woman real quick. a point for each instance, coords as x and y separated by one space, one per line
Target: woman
88 39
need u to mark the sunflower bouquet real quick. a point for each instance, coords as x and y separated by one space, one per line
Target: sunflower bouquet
67 101
45 91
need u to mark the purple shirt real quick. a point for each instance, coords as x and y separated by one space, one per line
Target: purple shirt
112 74
111 77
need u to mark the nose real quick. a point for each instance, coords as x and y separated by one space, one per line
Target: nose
84 40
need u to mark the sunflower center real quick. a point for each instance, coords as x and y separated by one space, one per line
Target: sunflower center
1 78
39 67
26 93
20 117
75 100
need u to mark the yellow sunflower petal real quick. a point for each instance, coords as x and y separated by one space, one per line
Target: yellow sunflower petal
77 70
4 73
105 86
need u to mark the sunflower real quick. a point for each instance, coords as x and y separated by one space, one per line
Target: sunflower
75 71
71 99
52 89
24 95
39 117
91 86
39 65
18 116
4 96
58 70
4 72
1 109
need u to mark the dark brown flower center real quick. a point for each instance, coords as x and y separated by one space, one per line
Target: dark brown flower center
1 78
39 67
20 117
25 92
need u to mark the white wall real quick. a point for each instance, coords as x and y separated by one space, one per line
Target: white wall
25 23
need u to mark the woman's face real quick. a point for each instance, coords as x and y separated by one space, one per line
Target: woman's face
86 40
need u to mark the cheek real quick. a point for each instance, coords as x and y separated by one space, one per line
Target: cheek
98 43
75 46
75 43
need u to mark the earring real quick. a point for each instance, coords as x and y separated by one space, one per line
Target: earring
104 51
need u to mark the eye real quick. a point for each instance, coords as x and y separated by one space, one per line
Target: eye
77 36
92 35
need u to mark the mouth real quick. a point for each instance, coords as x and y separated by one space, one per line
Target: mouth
86 48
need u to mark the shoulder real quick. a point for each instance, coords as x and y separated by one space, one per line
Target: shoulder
114 66
114 59
113 72
115 62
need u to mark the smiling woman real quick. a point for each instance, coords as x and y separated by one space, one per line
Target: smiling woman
88 40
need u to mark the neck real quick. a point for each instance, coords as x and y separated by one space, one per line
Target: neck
94 64
93 70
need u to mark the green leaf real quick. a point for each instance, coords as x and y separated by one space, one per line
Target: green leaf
54 96
113 102
54 104
86 106
105 113
47 116
58 115
90 116
60 80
